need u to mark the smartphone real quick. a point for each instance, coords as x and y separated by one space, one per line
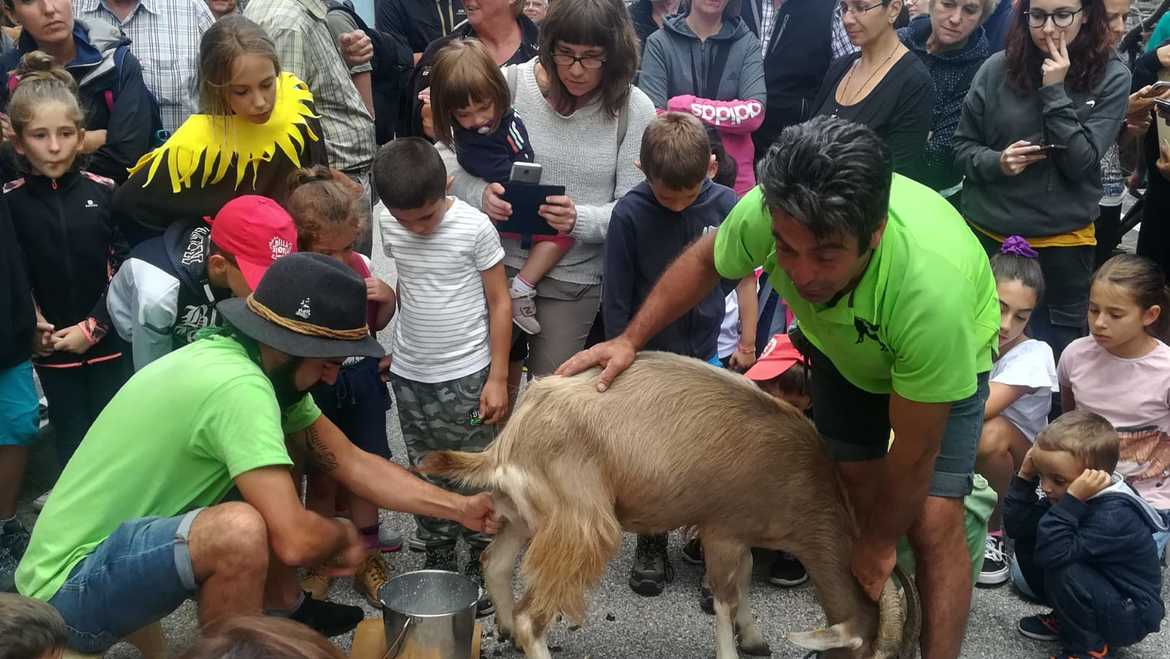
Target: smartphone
1051 148
1160 87
525 172
1163 105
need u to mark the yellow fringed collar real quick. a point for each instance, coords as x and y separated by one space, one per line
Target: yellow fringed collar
209 144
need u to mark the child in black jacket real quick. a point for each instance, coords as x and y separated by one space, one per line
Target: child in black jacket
1086 548
71 246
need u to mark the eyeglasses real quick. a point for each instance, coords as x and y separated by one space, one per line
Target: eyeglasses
843 9
1060 18
590 63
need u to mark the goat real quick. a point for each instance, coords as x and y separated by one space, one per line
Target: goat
673 443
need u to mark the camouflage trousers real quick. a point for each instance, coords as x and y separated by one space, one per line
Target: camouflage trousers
442 416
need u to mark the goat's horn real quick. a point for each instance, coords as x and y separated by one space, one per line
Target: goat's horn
899 619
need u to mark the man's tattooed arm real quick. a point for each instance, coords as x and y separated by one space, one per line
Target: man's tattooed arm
308 445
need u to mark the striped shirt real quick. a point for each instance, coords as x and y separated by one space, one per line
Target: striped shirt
306 49
164 36
441 330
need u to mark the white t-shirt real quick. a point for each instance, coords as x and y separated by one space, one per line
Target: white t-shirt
441 328
1029 364
1133 395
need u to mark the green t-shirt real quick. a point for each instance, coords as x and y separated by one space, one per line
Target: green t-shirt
171 440
923 320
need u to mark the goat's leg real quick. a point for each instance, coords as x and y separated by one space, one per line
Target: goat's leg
751 640
724 559
531 630
499 560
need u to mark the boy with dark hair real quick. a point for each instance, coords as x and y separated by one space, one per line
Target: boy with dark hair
167 290
454 326
650 226
31 629
1085 548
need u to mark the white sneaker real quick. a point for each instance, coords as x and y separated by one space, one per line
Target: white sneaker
524 312
38 503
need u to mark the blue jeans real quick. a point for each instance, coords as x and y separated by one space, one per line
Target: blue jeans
136 577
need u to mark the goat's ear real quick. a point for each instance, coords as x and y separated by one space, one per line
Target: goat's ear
837 636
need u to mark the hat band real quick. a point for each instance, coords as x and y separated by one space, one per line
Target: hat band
301 327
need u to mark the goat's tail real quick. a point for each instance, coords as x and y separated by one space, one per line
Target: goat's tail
473 470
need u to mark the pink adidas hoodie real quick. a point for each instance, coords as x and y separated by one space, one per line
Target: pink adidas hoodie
736 121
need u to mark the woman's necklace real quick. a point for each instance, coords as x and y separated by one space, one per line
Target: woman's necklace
850 99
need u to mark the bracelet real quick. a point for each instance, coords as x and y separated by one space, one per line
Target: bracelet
748 350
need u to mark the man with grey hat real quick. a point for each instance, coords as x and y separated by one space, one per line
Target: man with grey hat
135 525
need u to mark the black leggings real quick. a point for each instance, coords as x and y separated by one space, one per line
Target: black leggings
76 396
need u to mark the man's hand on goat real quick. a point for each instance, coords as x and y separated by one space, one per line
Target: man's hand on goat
478 514
872 565
614 356
1090 483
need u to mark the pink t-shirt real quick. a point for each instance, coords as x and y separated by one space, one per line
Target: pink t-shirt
1133 395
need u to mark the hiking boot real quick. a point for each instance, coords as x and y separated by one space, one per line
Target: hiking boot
652 568
1042 627
13 544
692 552
995 570
786 571
373 574
474 571
327 618
441 557
524 312
1100 653
316 585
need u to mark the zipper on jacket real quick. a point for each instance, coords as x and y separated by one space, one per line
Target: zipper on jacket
780 34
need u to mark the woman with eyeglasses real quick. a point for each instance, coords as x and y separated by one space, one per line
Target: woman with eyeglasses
951 42
1035 124
585 122
881 85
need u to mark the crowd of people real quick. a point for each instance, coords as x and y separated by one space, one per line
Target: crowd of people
902 218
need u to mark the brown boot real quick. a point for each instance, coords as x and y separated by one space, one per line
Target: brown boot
373 574
316 585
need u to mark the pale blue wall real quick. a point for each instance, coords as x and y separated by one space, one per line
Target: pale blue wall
365 9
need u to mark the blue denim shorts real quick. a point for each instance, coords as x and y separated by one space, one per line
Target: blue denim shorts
19 405
138 576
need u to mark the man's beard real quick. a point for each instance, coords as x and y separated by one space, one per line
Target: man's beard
283 379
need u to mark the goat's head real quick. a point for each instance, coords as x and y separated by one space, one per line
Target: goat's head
899 623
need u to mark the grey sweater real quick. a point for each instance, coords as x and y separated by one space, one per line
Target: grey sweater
1051 197
582 152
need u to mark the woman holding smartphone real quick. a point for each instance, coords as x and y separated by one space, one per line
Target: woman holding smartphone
1035 124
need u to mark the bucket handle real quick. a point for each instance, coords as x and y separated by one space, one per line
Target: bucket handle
392 649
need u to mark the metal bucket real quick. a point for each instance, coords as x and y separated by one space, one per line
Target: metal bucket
429 614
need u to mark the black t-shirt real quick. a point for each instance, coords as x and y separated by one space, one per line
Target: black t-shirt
897 109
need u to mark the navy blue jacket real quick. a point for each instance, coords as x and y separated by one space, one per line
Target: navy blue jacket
112 93
644 239
1111 532
490 156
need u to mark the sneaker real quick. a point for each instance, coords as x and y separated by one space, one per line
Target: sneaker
373 574
524 312
692 552
995 569
13 544
327 618
652 568
389 540
1100 653
416 545
441 557
1041 627
474 571
786 571
38 503
316 585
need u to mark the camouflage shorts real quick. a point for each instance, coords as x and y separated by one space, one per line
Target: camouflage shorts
442 416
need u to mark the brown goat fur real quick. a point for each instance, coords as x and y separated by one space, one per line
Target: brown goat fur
673 443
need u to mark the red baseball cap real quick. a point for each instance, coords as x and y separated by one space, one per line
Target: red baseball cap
779 356
256 231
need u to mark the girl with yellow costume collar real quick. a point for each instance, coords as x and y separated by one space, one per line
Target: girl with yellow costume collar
257 126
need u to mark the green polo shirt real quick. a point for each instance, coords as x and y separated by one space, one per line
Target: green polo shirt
924 319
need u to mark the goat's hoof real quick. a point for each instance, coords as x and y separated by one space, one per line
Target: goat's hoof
757 649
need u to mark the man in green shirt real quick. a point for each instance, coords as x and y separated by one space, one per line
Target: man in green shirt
135 525
898 310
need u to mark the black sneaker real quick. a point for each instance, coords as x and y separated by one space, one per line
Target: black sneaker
441 557
652 569
13 543
692 552
1041 627
1099 653
327 618
474 571
995 570
786 571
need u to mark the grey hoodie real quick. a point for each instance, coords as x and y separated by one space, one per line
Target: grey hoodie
1051 197
674 56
